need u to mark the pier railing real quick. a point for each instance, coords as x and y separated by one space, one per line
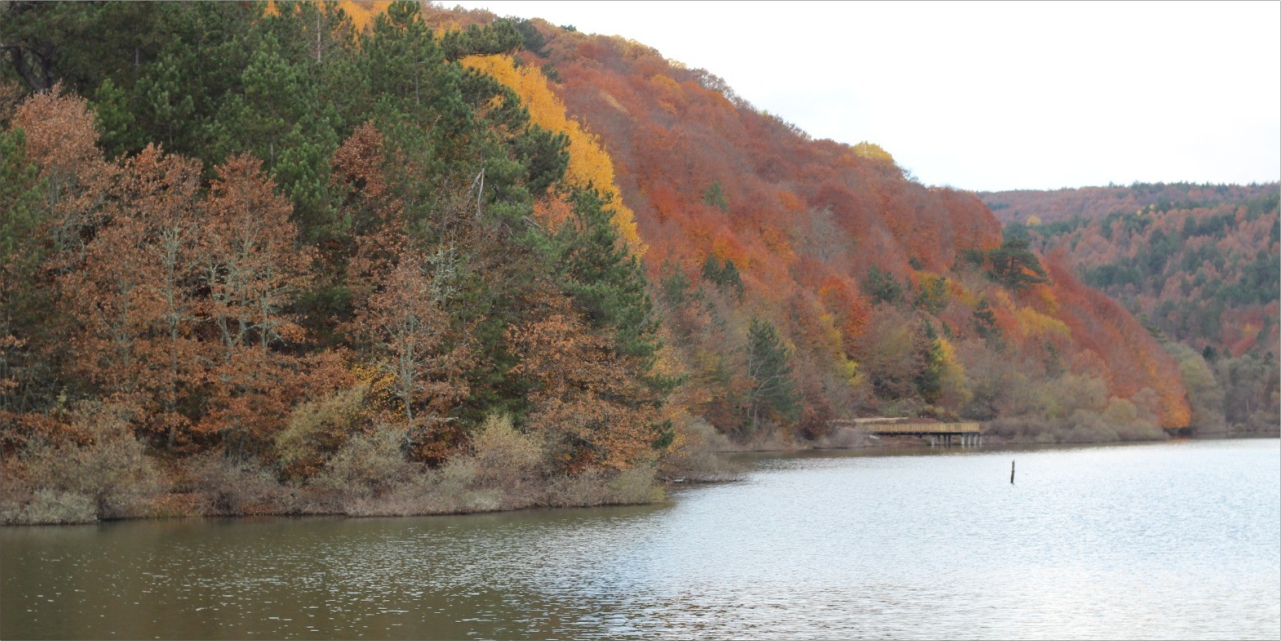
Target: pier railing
924 428
965 434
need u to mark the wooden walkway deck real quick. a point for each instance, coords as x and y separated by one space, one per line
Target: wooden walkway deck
967 434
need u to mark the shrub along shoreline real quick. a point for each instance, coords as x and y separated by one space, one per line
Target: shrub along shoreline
111 476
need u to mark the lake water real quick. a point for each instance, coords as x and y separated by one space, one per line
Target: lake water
1172 540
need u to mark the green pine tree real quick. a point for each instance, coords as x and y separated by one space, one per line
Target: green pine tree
985 321
882 287
773 392
1015 266
715 197
929 381
606 281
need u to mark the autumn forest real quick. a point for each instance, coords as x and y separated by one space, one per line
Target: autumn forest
371 258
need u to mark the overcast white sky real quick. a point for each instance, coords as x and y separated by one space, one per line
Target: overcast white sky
992 96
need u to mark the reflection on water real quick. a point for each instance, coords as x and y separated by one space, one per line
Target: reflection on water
1171 540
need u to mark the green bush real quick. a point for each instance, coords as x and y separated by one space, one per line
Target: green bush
366 466
316 430
504 456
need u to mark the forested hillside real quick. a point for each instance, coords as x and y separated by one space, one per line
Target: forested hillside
267 258
894 298
1204 276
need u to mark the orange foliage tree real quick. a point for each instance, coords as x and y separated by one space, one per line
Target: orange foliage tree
253 267
586 403
131 290
408 329
1133 358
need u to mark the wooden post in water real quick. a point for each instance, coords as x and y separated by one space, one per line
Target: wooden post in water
1011 472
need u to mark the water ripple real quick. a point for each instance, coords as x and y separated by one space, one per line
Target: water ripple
1169 540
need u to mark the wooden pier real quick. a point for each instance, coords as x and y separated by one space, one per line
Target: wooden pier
968 434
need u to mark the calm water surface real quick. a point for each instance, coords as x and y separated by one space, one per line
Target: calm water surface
1178 540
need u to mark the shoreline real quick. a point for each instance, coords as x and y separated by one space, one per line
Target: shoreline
902 443
640 487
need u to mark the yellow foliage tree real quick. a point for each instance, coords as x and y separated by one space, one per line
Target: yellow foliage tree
872 151
1034 323
362 12
955 386
589 164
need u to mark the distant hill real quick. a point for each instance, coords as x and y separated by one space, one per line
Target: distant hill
1205 274
1092 202
1203 271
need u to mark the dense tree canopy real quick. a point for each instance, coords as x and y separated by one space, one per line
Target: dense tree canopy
261 206
336 240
